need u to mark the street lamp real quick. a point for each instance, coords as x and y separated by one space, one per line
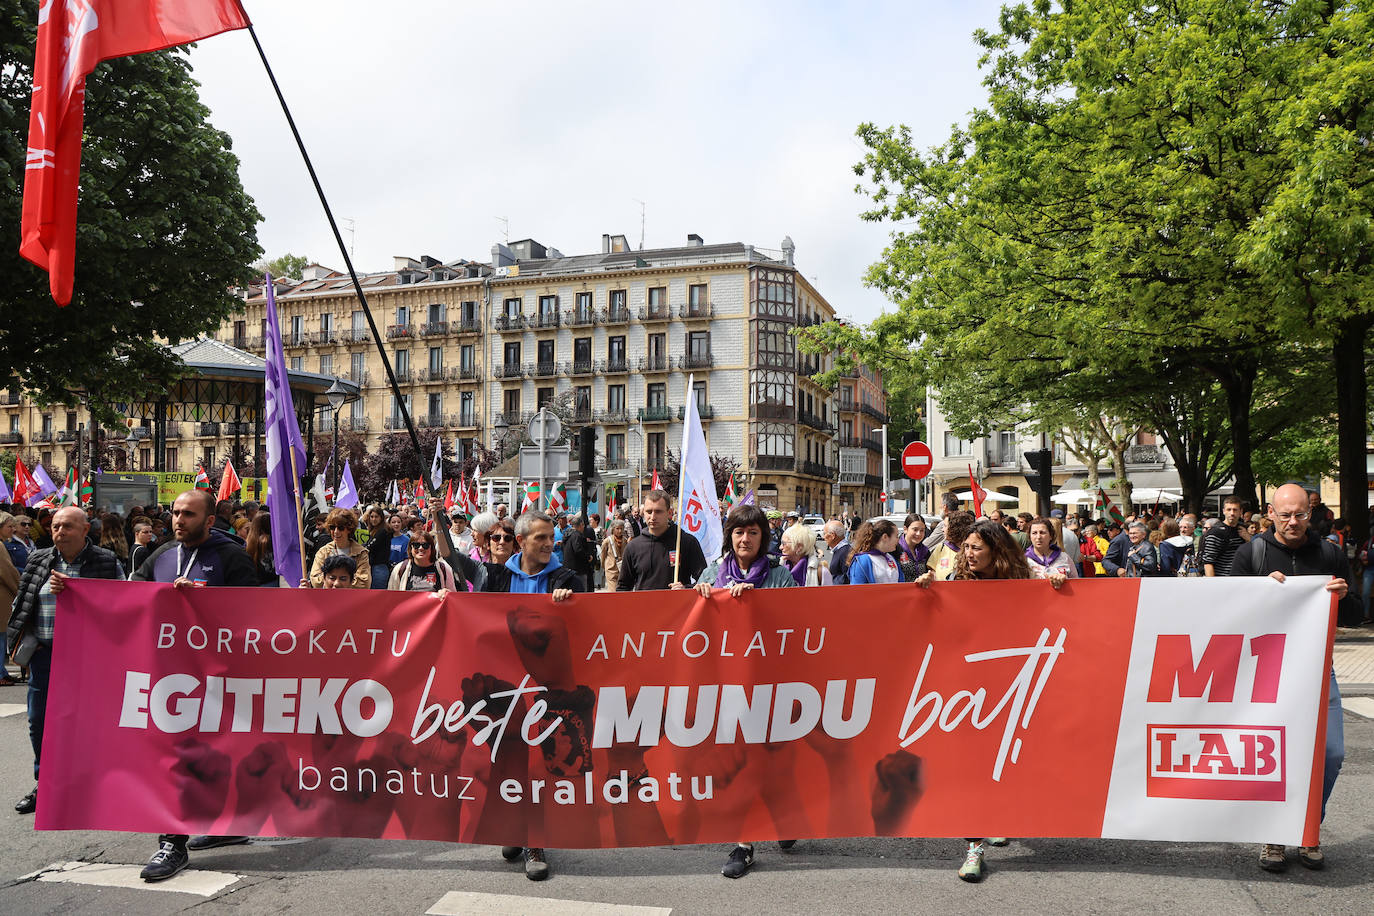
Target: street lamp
638 430
336 395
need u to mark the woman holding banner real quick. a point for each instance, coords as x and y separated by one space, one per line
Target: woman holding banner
746 565
1044 555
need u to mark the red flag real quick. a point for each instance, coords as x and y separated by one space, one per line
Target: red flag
25 487
420 494
977 492
448 497
654 483
74 36
229 483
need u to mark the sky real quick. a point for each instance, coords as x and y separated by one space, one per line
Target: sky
442 128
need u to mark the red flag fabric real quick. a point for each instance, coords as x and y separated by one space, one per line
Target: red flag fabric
25 487
229 483
976 491
74 36
448 498
654 482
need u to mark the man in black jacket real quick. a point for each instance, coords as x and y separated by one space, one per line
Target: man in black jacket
579 549
1291 548
650 558
72 556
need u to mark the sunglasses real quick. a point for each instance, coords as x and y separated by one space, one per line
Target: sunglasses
501 537
338 528
421 546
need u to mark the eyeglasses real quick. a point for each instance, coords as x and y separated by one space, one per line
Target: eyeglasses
421 546
337 527
501 537
1292 516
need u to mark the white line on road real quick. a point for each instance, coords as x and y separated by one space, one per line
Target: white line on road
99 874
1360 706
11 709
465 903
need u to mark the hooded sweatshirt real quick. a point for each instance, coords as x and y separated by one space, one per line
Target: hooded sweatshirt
218 560
511 578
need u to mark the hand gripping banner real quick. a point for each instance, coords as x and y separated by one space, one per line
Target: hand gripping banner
1154 709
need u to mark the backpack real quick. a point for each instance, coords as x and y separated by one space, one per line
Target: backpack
1188 565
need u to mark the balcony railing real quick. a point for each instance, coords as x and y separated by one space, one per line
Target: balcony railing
655 414
66 435
582 416
510 370
399 330
696 311
427 375
542 370
847 405
545 320
403 376
353 424
579 318
467 326
852 478
430 420
356 335
808 418
706 412
239 343
874 412
614 416
873 480
434 329
174 430
872 443
512 418
580 367
358 378
11 438
614 315
240 429
817 469
850 442
774 463
43 435
138 432
295 340
9 397
464 373
616 364
463 420
209 429
613 463
766 411
659 363
696 361
324 337
508 322
655 313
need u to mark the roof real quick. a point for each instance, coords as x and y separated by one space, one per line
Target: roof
210 358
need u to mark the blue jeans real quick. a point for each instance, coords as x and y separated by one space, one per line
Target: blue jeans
1366 586
39 667
380 574
1335 742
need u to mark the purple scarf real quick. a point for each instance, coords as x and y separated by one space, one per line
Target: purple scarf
730 572
799 570
1055 553
919 554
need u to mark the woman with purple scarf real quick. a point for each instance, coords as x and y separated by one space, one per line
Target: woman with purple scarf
911 553
1044 555
871 562
745 565
799 555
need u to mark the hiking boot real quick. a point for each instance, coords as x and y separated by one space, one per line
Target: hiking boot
972 869
512 853
740 861
29 803
169 859
536 868
1271 857
1311 857
197 843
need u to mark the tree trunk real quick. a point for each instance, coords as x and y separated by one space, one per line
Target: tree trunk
1123 482
1352 390
1239 385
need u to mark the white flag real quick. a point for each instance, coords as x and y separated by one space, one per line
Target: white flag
698 505
436 468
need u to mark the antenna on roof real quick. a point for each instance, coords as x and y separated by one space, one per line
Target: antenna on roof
506 224
641 222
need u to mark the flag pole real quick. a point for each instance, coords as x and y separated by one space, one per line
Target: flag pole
300 511
343 251
681 479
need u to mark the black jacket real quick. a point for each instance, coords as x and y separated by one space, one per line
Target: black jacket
648 561
839 572
1315 557
231 564
96 563
579 551
498 579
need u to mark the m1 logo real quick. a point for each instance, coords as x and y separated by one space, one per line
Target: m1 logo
1216 673
1216 762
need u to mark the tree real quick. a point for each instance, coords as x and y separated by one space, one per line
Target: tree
288 265
165 229
722 468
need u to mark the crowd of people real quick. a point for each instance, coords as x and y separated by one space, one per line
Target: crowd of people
200 542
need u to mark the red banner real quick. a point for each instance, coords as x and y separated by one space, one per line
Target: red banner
1165 709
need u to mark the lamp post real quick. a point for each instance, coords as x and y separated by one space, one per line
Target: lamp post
336 395
638 430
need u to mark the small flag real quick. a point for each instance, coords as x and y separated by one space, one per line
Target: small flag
727 502
5 494
558 498
45 484
420 494
348 491
436 467
532 497
87 490
976 492
748 498
655 483
202 478
328 485
448 498
229 483
1108 507
67 496
25 487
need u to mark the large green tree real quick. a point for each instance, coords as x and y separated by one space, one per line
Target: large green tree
165 229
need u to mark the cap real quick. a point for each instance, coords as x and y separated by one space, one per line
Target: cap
1056 513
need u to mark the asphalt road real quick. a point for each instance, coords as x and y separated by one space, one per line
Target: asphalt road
328 876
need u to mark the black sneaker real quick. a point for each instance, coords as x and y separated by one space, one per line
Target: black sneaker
214 842
169 859
740 861
512 853
29 803
536 869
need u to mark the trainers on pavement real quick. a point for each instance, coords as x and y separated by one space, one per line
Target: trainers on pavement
29 803
740 861
169 859
1271 857
214 842
536 868
972 869
512 853
1311 857
997 841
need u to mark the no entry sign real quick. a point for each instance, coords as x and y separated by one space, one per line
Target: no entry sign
916 460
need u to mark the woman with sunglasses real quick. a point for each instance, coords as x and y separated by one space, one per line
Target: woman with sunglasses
422 570
341 523
501 541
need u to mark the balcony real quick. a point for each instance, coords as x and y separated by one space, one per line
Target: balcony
395 421
545 320
817 469
173 430
613 463
649 313
579 318
872 443
774 463
847 405
10 398
508 322
434 329
464 374
512 418
238 429
361 379
394 331
767 411
706 412
324 337
510 370
808 366
325 424
696 361
12 438
655 414
807 418
403 376
616 315
615 365
874 412
542 370
467 326
579 367
356 335
850 442
659 363
852 478
463 420
698 311
208 429
66 435
582 417
353 424
873 480
429 376
295 340
614 416
430 420
239 343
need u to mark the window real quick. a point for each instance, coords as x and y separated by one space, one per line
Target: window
170 458
297 328
774 345
436 313
548 309
618 306
512 353
403 315
327 364
327 324
436 407
699 344
1006 449
774 440
582 354
615 450
772 293
615 349
615 398
209 458
145 459
583 402
465 358
469 314
402 362
658 449
240 333
772 393
355 412
546 355
543 397
658 351
846 430
658 300
511 401
513 308
954 446
359 321
466 411
699 394
436 361
853 462
584 307
14 423
298 364
657 395
396 410
357 367
71 421
696 296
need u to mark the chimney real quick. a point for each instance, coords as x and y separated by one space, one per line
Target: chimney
789 250
605 243
501 256
694 241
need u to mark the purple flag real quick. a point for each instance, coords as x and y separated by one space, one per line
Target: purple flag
45 484
5 494
347 497
283 438
748 498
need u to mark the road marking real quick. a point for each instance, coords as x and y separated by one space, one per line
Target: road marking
11 709
467 903
1360 706
100 874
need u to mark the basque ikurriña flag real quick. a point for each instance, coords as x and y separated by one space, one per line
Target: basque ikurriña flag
698 506
74 36
283 442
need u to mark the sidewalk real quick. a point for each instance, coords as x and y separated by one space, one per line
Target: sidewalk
1353 656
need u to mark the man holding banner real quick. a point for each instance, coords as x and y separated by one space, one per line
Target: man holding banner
662 556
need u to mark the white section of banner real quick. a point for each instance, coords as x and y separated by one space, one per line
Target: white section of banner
1202 766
